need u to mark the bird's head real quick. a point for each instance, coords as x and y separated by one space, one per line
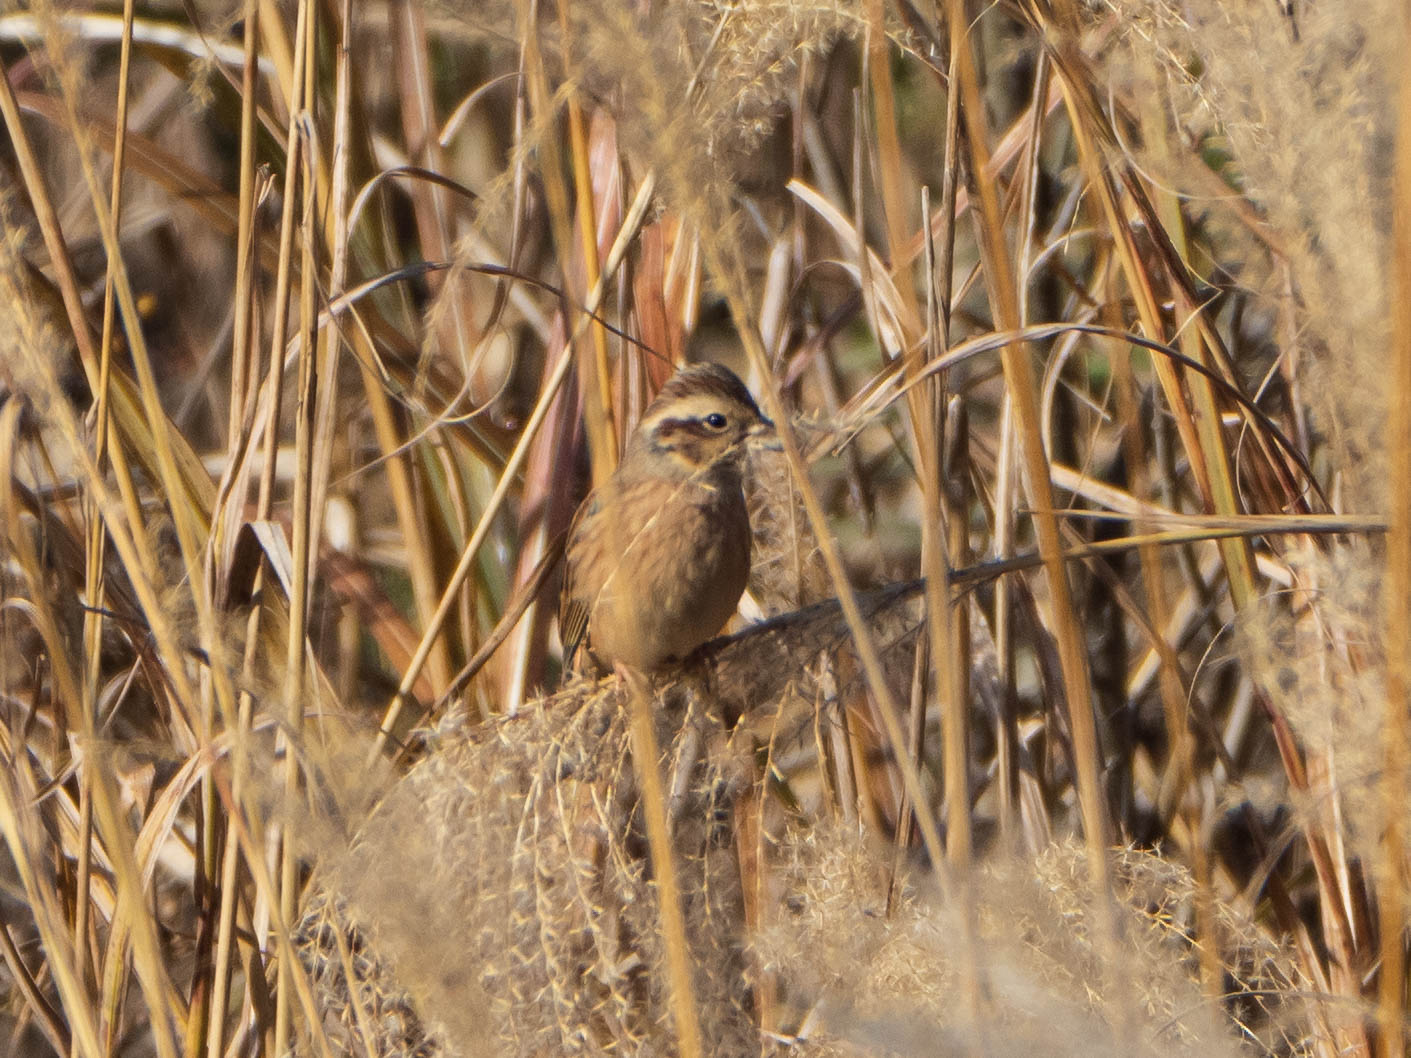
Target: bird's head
704 415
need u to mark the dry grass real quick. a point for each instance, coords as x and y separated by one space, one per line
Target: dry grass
1078 722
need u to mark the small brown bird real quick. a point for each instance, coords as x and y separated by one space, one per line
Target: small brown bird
658 556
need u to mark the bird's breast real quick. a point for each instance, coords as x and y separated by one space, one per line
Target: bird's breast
679 566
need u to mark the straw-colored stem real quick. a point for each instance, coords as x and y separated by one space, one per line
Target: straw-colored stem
646 761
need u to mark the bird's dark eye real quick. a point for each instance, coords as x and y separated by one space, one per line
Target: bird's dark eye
715 421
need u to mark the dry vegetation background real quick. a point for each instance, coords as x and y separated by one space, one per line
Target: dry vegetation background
1091 323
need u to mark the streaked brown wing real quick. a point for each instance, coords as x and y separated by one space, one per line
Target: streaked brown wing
573 628
573 608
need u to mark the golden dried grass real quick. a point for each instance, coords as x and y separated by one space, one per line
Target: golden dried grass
874 803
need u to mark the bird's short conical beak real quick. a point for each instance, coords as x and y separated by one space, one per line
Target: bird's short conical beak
763 435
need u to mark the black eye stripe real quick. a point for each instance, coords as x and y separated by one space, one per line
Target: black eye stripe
696 427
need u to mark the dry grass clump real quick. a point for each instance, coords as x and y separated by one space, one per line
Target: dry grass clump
545 936
786 572
525 838
878 970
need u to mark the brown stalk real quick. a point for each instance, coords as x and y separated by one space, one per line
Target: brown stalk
603 435
305 118
646 757
943 543
544 106
94 583
455 330
244 376
1019 376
